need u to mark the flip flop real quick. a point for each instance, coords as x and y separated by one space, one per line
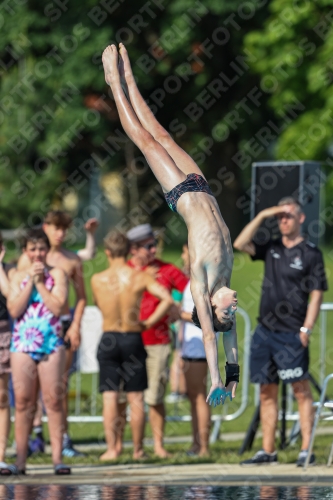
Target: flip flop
10 470
62 470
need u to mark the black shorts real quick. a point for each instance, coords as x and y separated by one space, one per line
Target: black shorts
277 355
122 357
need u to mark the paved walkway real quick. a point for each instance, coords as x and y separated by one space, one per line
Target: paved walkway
196 474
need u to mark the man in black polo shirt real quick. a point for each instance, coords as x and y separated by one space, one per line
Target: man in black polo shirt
294 271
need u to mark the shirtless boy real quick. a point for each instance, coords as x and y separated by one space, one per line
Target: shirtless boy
187 192
56 224
121 355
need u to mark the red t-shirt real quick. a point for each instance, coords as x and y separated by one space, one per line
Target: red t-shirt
170 277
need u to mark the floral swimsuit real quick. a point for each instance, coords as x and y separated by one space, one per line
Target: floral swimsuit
37 332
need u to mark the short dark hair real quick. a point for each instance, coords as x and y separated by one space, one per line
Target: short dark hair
117 243
290 200
58 218
34 235
219 326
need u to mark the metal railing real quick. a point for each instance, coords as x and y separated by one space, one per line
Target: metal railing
92 407
294 415
320 406
323 330
174 416
245 379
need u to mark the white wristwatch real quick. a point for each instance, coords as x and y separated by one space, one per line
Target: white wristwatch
305 330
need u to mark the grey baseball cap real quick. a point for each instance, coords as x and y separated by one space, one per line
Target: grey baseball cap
139 233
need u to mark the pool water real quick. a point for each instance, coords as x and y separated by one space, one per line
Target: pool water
110 492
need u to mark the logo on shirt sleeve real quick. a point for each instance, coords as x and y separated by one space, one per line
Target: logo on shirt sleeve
297 264
275 255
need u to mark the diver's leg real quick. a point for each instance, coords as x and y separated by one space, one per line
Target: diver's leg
162 165
183 161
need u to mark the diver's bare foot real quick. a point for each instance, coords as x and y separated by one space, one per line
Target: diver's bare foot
121 66
109 455
110 63
122 74
126 69
162 453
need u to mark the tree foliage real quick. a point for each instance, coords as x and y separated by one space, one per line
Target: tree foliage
293 55
57 113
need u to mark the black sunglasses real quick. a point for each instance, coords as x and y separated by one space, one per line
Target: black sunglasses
149 246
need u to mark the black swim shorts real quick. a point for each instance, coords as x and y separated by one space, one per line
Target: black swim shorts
122 357
277 355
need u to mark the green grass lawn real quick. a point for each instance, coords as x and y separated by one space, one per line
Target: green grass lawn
221 452
246 279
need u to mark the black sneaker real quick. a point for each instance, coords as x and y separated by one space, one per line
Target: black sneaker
302 457
261 458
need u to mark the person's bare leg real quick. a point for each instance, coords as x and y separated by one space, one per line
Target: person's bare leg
4 414
195 448
196 379
161 163
203 413
157 422
138 420
302 392
24 375
268 415
68 363
39 413
146 117
177 377
110 422
53 390
121 427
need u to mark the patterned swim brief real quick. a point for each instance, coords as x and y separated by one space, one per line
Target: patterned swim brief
192 183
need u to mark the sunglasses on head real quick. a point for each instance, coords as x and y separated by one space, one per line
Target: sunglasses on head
149 246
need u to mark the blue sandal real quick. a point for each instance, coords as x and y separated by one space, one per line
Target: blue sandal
10 470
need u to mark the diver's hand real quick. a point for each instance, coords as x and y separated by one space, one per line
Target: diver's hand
231 388
218 394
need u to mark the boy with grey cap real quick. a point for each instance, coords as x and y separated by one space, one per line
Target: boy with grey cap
156 339
140 233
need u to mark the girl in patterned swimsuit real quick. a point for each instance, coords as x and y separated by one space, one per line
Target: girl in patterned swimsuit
188 193
35 301
37 332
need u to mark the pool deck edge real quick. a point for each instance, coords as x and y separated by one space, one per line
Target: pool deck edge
196 474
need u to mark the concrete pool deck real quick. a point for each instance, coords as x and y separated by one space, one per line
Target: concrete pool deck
196 474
